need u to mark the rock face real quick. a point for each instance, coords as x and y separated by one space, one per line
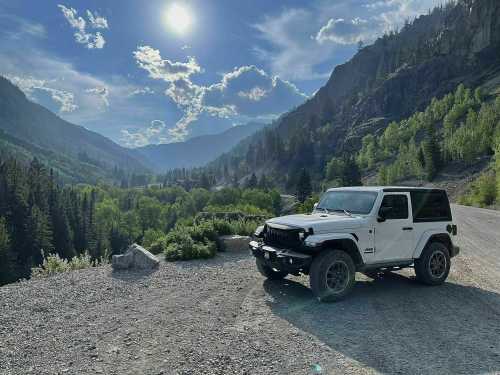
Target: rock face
234 243
136 257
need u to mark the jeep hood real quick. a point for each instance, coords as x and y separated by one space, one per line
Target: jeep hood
320 222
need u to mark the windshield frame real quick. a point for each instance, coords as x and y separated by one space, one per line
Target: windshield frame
340 210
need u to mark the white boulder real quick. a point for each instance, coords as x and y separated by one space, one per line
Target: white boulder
136 257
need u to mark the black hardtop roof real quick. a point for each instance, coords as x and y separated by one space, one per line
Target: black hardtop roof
417 189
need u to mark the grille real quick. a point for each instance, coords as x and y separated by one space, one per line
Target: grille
282 237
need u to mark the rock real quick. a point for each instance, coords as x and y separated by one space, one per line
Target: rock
136 257
234 243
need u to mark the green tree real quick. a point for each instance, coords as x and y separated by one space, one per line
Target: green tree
6 267
304 188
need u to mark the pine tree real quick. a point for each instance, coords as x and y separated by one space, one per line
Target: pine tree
252 182
304 188
351 175
432 153
6 270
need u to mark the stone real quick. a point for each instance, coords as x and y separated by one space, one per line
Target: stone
234 243
136 257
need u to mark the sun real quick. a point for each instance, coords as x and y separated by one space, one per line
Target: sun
179 18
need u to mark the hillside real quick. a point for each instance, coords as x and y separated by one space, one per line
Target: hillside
32 130
196 151
388 81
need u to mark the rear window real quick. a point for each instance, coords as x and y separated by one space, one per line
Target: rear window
430 206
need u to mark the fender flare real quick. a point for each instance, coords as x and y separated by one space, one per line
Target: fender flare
424 239
350 244
319 239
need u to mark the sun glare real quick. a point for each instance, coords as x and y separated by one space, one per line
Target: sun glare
179 18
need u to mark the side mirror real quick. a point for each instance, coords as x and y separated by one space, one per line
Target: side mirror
382 213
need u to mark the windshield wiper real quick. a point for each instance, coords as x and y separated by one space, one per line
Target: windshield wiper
344 211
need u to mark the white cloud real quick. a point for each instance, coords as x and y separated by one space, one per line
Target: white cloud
90 40
96 21
150 60
245 91
102 92
346 31
141 91
29 85
138 137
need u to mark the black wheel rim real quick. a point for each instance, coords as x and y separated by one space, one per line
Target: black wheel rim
337 276
437 264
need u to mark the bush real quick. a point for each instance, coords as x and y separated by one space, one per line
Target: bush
483 192
151 236
54 264
179 245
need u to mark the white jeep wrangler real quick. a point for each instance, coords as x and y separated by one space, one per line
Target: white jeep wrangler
360 229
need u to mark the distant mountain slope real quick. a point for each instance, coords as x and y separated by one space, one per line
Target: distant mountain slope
38 128
197 151
387 81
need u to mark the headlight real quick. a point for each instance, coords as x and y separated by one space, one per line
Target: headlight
259 232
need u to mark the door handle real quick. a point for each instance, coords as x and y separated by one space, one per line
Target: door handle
407 228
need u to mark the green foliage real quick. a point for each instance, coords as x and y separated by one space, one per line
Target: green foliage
54 264
343 172
304 188
483 191
458 127
308 205
180 245
150 237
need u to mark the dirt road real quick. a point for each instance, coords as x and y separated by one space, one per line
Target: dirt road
220 317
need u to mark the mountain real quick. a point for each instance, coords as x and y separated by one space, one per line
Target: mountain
196 151
396 76
79 155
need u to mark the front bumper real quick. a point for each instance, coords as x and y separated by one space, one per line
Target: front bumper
281 259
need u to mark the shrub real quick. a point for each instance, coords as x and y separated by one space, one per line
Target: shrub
54 264
223 227
179 245
151 236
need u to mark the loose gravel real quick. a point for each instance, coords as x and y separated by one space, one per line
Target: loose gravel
220 317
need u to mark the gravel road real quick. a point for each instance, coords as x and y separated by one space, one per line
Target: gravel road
220 317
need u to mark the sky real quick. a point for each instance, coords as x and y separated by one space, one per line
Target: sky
161 71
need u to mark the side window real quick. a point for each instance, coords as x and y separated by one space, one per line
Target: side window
430 206
395 206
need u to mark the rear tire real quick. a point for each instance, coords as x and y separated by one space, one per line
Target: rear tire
332 275
433 266
269 272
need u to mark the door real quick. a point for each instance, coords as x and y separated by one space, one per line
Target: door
394 236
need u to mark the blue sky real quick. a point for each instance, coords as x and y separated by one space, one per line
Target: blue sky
159 71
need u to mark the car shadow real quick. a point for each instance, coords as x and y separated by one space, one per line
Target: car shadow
395 325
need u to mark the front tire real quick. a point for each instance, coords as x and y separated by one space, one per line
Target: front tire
433 266
332 275
269 272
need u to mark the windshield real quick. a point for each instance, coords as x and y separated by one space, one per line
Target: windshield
355 202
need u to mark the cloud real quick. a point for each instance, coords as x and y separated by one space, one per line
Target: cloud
150 60
102 92
82 36
137 137
244 92
96 21
29 85
141 91
251 92
346 32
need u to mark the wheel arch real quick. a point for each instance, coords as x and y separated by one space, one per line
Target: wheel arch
346 244
442 237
